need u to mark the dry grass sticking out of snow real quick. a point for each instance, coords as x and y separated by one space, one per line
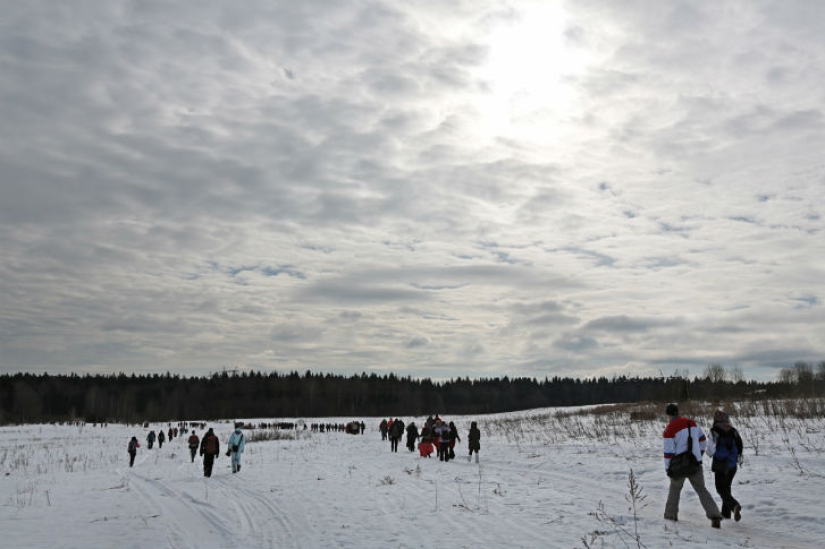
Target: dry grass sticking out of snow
589 477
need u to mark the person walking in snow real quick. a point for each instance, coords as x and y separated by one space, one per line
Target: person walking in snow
442 433
236 445
474 438
132 450
725 447
396 432
210 449
680 435
161 438
194 443
150 439
412 436
384 428
453 437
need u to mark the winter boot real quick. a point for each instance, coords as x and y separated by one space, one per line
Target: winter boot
716 522
737 513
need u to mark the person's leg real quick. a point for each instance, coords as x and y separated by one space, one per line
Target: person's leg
720 481
736 507
672 503
697 480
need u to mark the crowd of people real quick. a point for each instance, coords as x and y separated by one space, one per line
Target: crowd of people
685 443
209 447
436 436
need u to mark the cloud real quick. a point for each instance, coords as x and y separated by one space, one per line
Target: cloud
439 191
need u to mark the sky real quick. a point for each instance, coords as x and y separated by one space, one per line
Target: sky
465 189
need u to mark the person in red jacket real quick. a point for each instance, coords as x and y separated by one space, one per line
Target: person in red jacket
682 435
194 444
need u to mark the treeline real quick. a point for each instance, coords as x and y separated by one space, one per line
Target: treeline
30 398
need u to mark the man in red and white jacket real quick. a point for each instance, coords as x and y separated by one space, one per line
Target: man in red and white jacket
675 442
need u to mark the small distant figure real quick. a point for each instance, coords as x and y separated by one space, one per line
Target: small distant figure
683 436
161 439
474 438
425 447
384 428
194 443
236 445
453 437
396 432
442 434
132 450
412 436
363 427
150 439
171 434
725 447
210 449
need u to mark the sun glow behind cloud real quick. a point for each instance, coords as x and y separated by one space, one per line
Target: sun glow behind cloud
530 74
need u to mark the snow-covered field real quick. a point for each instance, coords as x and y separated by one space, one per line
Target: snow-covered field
544 480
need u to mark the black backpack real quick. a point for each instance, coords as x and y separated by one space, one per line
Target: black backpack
685 464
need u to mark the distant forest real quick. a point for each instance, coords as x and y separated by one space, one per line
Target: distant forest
30 398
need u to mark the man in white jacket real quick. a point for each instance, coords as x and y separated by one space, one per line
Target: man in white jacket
680 434
236 445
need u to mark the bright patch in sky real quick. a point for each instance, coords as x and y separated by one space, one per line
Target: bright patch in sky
530 72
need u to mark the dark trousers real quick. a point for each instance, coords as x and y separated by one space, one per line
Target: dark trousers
724 481
444 451
394 443
132 458
193 451
208 461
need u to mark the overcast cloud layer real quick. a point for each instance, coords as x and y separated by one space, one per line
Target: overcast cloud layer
438 189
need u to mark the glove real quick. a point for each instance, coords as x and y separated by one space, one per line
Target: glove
228 453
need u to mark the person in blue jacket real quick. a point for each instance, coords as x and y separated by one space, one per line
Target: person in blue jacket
236 445
725 447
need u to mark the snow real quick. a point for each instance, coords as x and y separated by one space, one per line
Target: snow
541 481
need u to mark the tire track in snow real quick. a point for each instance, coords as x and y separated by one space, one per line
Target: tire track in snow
263 522
190 522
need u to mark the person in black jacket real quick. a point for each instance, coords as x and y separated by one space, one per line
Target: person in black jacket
396 432
412 436
474 437
132 450
725 447
210 449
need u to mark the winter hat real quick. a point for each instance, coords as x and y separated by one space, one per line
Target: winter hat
721 420
672 410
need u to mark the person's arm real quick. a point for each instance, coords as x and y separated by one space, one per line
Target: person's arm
710 450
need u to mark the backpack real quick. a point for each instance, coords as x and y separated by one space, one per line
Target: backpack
132 446
727 451
210 444
685 464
